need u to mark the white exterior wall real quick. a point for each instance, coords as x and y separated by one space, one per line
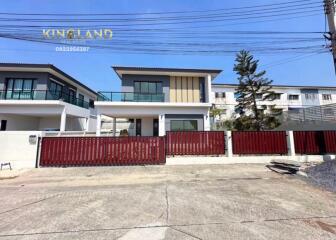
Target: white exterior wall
147 126
17 150
20 123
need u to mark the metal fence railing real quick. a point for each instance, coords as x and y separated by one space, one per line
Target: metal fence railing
42 95
130 97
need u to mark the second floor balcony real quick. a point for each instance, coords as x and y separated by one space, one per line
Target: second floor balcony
130 97
42 95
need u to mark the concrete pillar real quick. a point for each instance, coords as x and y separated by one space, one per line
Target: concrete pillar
208 88
63 120
114 127
162 127
98 128
290 143
87 124
206 120
228 143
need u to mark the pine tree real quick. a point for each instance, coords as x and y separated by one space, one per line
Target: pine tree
253 87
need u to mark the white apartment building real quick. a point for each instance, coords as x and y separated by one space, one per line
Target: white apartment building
288 98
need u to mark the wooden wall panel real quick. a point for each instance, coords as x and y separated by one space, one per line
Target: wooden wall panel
190 90
184 89
196 89
178 89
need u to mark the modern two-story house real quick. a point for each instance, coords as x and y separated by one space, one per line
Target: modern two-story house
42 97
156 100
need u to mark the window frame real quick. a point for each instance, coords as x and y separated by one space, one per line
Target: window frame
140 88
328 98
184 121
12 90
291 95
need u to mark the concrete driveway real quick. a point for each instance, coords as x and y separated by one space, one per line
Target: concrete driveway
164 202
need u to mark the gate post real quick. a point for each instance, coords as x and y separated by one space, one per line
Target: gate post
290 143
228 143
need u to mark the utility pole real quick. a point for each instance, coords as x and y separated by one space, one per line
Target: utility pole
329 8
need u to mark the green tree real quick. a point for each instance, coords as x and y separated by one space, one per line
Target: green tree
253 87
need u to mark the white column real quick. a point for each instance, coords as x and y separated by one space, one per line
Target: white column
87 124
63 120
290 143
98 128
206 120
162 127
208 89
114 126
228 143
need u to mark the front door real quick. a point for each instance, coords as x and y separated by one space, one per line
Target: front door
155 127
138 127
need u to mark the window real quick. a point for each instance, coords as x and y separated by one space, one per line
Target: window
148 87
326 97
259 96
293 97
72 96
310 96
3 125
55 90
91 103
183 125
202 90
17 88
80 100
277 96
220 94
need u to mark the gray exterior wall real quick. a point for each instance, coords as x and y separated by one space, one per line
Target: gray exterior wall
127 82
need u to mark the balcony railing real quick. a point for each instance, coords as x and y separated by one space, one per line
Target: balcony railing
42 95
130 97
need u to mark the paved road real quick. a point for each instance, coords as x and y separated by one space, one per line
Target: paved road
164 202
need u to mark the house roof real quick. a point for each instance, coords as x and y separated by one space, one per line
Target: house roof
41 67
278 86
120 70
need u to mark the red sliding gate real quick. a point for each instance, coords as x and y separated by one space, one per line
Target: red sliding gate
315 142
268 142
102 151
195 143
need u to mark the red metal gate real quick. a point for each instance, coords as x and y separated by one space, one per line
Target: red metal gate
315 142
195 143
266 142
102 151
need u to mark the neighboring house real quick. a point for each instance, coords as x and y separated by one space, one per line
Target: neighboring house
42 97
156 100
297 102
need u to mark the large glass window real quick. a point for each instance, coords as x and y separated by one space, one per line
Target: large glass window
183 125
148 87
80 100
72 96
18 88
56 90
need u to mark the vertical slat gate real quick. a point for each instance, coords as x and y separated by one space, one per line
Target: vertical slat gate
102 151
315 142
265 142
195 143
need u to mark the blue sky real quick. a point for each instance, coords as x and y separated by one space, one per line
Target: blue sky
94 68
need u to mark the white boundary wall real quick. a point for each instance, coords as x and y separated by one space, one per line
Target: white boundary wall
16 148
